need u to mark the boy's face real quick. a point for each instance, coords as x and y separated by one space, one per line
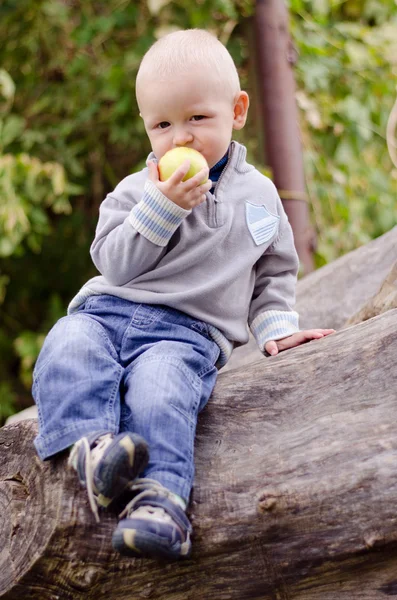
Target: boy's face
192 111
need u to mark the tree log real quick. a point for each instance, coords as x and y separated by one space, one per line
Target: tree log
338 290
294 498
384 300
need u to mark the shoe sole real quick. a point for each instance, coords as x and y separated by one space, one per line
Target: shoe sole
134 543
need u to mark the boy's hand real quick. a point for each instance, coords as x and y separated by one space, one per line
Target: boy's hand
186 194
296 339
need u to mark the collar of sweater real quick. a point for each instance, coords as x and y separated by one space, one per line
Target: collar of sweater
217 169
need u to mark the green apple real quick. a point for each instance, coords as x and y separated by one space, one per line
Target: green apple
175 157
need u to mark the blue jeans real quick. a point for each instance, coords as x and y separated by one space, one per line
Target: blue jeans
120 366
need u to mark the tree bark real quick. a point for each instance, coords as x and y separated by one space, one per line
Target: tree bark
334 293
294 497
384 300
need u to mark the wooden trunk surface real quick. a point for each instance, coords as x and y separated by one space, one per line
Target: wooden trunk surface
384 300
295 494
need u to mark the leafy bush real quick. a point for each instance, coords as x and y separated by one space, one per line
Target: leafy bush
346 76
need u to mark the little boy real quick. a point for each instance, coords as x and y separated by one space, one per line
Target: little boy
184 267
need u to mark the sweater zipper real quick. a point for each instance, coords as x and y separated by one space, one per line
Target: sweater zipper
217 208
221 175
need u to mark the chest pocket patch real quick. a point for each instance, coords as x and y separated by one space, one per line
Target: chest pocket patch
261 223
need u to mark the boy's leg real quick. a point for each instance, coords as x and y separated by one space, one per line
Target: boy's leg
165 388
75 384
76 388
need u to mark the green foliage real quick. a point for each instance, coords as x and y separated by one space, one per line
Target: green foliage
8 398
27 187
346 77
8 402
70 130
27 346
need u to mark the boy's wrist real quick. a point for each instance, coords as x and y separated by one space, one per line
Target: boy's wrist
273 325
187 200
153 191
177 200
187 194
156 217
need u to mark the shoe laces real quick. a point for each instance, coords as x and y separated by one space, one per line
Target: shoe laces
153 513
91 460
145 487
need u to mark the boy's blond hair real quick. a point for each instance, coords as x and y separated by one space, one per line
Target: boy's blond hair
181 51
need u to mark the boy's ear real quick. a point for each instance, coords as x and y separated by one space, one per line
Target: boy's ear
241 105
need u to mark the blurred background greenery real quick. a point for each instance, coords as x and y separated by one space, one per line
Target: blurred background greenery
69 131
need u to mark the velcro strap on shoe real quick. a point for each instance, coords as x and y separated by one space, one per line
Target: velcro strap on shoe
162 501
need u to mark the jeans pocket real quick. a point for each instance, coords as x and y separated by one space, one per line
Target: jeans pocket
147 314
201 327
99 301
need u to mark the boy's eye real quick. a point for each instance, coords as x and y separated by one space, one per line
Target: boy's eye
198 117
163 125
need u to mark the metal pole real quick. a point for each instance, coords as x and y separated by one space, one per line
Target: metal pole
275 56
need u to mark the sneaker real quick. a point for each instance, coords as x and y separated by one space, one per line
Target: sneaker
106 464
155 524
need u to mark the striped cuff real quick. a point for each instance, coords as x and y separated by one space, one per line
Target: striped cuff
224 345
274 325
156 217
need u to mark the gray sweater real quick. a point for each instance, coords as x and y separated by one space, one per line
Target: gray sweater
230 261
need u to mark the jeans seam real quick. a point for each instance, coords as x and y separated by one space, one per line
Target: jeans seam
39 413
110 403
127 329
185 414
92 323
205 370
141 324
47 441
129 420
51 437
153 314
191 435
109 412
95 325
37 373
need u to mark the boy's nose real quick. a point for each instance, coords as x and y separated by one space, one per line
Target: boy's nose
182 137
